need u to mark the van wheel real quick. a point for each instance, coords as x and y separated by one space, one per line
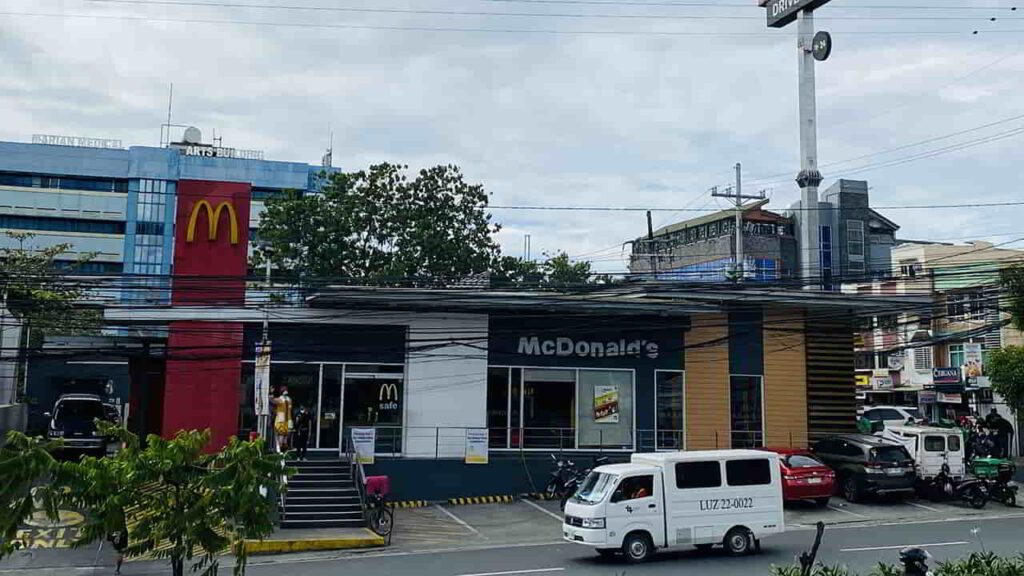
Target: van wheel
850 490
738 542
637 547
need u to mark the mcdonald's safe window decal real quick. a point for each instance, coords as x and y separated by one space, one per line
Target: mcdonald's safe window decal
212 220
388 397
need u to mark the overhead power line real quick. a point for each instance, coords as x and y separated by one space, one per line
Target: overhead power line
795 209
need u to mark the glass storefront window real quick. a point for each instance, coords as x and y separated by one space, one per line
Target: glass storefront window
498 400
745 402
549 408
670 417
376 402
328 428
606 409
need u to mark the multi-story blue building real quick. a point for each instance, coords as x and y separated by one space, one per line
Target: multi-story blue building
117 204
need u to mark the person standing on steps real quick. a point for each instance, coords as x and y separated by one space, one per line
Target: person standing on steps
303 425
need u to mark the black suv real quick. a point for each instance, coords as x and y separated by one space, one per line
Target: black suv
74 419
867 465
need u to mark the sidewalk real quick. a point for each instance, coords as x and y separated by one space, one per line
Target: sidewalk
312 539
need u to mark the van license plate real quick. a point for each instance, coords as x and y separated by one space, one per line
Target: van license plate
894 471
814 480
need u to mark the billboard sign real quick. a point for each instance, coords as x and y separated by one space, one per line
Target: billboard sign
783 12
946 375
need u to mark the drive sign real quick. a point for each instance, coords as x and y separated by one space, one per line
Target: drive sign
782 12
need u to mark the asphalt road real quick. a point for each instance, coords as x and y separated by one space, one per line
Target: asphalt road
859 548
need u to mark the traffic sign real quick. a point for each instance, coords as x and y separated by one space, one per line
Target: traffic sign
821 46
782 12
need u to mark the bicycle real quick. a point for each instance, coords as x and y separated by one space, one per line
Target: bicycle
380 516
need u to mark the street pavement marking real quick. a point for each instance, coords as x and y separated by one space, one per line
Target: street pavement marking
923 506
534 571
460 521
831 507
541 508
900 547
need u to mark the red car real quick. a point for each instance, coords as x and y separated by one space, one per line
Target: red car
804 477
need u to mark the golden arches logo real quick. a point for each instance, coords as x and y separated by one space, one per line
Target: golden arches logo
388 391
213 220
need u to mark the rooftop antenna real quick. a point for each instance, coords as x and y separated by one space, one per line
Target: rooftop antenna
170 101
217 141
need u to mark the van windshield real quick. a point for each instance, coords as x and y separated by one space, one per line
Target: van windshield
595 487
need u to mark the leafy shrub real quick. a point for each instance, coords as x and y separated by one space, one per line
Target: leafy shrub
987 564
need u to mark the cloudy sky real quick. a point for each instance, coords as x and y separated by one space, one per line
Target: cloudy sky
642 103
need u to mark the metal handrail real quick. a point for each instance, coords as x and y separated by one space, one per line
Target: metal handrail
358 478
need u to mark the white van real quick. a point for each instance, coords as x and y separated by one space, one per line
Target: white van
676 500
930 448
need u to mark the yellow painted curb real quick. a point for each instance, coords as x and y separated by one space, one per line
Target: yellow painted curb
282 546
482 500
411 504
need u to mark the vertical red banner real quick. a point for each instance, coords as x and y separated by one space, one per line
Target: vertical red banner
204 359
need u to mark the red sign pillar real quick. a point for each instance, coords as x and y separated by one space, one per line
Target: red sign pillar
204 359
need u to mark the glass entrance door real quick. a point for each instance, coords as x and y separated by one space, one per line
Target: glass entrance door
329 426
376 401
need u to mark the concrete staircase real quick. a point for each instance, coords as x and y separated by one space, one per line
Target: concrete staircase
321 495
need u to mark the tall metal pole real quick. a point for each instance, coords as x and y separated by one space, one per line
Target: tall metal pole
650 247
740 261
809 178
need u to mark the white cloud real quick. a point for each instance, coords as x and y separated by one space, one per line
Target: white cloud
538 118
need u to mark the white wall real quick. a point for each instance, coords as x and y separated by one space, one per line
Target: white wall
446 383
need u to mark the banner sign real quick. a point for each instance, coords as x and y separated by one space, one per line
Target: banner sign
364 442
606 404
881 382
783 12
950 398
946 375
262 379
476 445
927 397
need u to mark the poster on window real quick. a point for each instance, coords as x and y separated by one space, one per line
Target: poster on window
476 445
974 365
606 404
261 382
363 442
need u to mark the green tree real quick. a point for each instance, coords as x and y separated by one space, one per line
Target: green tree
37 289
379 225
1012 280
180 502
1005 368
26 464
556 271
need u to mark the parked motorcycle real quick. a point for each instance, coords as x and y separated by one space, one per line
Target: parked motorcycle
973 491
1000 485
572 484
915 562
563 473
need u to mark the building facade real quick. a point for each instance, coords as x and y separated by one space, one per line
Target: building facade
855 243
118 204
933 356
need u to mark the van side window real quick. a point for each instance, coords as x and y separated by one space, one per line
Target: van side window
698 475
635 487
748 472
954 443
934 443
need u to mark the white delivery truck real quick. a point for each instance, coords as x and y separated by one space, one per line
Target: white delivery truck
678 499
930 448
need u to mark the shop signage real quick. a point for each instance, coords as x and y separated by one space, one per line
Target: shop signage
262 379
946 375
927 396
476 445
218 152
364 442
944 398
568 347
974 365
76 141
881 382
387 397
782 12
862 380
606 404
213 220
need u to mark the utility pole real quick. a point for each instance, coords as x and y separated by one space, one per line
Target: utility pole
735 193
811 46
650 247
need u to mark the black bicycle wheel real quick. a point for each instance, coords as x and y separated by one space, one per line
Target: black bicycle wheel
382 521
